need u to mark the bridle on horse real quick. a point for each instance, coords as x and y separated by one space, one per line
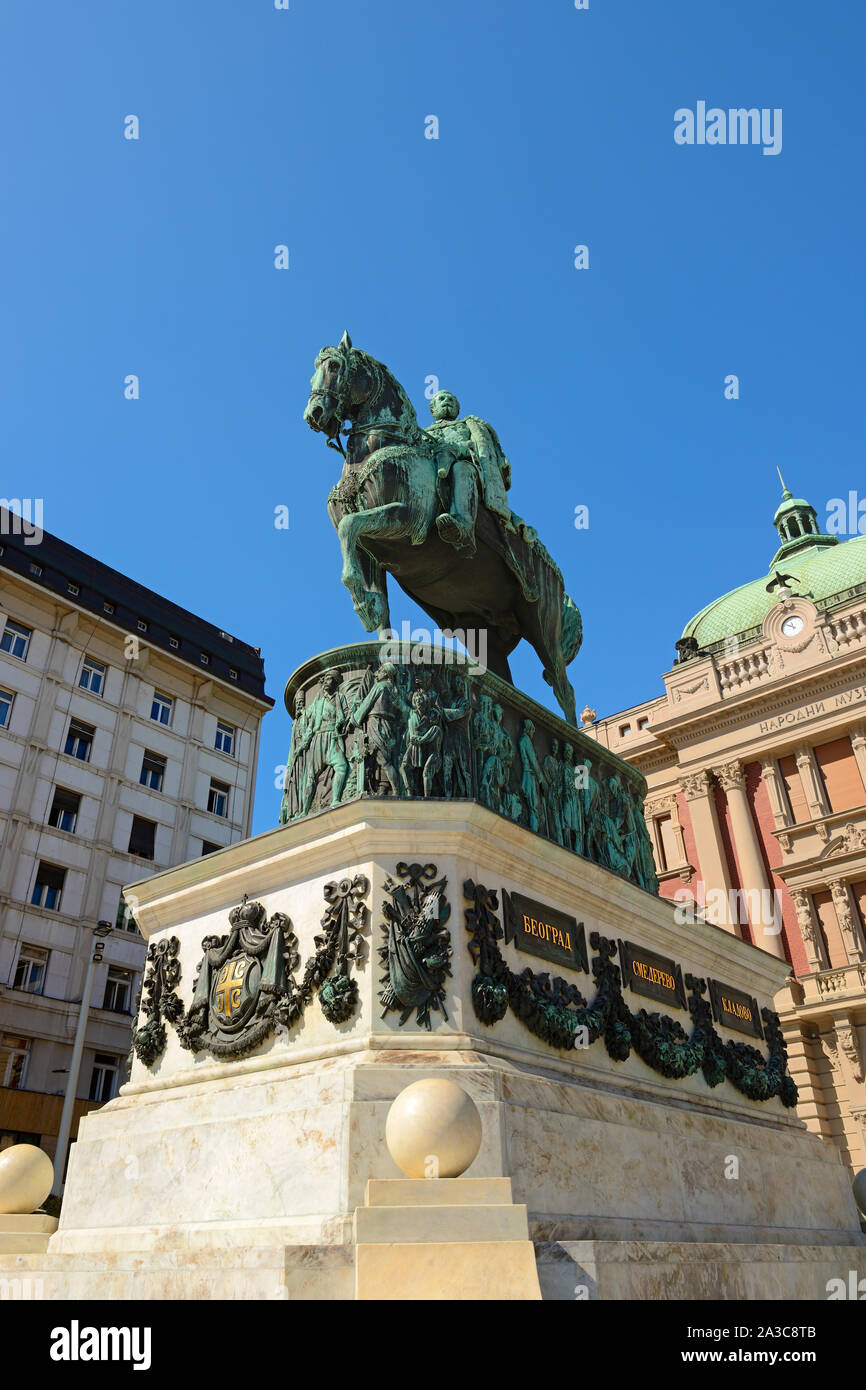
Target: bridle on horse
380 426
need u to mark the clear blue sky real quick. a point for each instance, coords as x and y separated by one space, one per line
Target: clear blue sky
450 257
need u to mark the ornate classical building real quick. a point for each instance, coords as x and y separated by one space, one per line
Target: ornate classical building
129 733
755 757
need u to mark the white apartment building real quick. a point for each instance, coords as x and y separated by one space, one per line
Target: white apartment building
129 734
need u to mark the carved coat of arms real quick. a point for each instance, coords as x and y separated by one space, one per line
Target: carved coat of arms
241 980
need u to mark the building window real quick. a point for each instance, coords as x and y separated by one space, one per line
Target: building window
8 1137
79 740
233 675
92 675
173 642
161 708
218 798
841 775
668 851
14 1053
643 723
797 803
72 589
225 738
124 920
142 625
64 809
859 891
834 951
624 730
205 659
152 771
6 702
48 888
31 968
117 990
208 847
35 569
226 636
15 639
142 837
103 1078
107 607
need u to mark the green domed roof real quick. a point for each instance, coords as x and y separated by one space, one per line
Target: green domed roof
814 566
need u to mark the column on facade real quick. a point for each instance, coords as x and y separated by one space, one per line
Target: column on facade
764 914
845 918
712 863
808 927
810 777
772 781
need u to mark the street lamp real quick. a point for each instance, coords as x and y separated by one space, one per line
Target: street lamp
99 933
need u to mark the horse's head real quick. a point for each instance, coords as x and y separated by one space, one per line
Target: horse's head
340 382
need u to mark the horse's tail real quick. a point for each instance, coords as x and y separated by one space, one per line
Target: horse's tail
572 629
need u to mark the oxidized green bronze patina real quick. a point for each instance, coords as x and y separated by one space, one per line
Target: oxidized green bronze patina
416 957
245 988
424 723
162 1002
556 1011
431 508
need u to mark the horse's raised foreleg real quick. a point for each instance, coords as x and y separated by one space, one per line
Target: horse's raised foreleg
370 600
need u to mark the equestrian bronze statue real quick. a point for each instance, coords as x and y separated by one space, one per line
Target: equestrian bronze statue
430 507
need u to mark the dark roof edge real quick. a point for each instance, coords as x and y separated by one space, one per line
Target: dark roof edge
63 564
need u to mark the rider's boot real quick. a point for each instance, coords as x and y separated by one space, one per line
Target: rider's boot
457 527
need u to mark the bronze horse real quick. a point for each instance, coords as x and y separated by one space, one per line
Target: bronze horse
384 509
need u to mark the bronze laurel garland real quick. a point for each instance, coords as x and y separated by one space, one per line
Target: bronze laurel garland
556 1012
148 1042
339 942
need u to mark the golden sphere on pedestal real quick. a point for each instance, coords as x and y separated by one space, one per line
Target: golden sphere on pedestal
433 1129
26 1178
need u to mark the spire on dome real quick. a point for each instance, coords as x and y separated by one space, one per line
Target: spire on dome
797 524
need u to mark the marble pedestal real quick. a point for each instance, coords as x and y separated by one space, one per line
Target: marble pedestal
26 1234
210 1177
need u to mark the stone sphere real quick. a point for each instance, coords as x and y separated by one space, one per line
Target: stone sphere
433 1129
26 1178
859 1186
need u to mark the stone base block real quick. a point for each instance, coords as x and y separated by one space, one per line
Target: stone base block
569 1271
409 1192
25 1235
441 1239
269 1273
417 1222
696 1270
503 1270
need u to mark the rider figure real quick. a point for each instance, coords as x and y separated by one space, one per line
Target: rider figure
470 458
